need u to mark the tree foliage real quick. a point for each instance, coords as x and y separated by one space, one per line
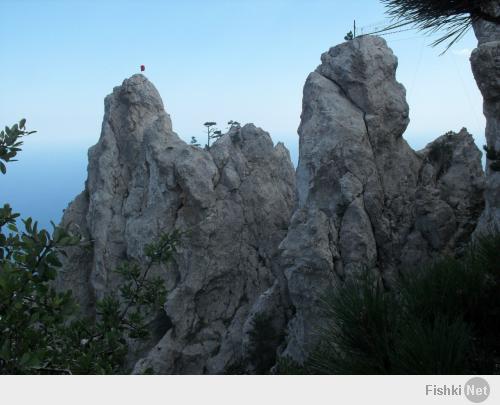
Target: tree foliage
10 143
212 132
233 125
41 328
194 141
494 157
453 17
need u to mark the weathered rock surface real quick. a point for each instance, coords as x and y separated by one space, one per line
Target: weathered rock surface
485 62
488 31
234 201
362 201
366 200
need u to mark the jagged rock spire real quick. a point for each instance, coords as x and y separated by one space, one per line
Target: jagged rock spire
367 201
233 201
485 62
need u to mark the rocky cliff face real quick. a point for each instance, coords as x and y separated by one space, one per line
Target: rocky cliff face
367 201
234 203
362 201
485 61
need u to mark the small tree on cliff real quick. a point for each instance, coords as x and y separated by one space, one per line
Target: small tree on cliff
494 158
349 36
194 141
451 16
212 132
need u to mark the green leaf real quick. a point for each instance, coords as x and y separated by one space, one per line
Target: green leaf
30 360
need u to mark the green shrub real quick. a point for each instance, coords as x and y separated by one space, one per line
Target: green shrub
41 330
442 319
357 336
287 366
10 143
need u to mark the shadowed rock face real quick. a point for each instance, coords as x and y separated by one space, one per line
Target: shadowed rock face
485 62
367 201
234 201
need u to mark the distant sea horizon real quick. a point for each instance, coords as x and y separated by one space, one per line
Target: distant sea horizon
49 175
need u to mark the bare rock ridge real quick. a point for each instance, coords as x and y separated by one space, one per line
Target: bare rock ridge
485 62
234 201
261 238
366 201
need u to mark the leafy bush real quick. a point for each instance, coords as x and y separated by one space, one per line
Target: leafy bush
10 143
41 330
443 319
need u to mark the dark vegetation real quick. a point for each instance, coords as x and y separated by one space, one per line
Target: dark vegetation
494 157
41 328
442 319
441 155
452 17
213 133
264 338
194 141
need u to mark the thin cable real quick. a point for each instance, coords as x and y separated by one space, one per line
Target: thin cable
466 92
383 33
421 53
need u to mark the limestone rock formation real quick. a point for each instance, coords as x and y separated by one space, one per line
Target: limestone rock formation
366 201
362 201
485 61
234 202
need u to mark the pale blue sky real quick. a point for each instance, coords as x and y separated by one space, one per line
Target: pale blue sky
244 60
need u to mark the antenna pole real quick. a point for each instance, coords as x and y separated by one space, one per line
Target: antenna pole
354 28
